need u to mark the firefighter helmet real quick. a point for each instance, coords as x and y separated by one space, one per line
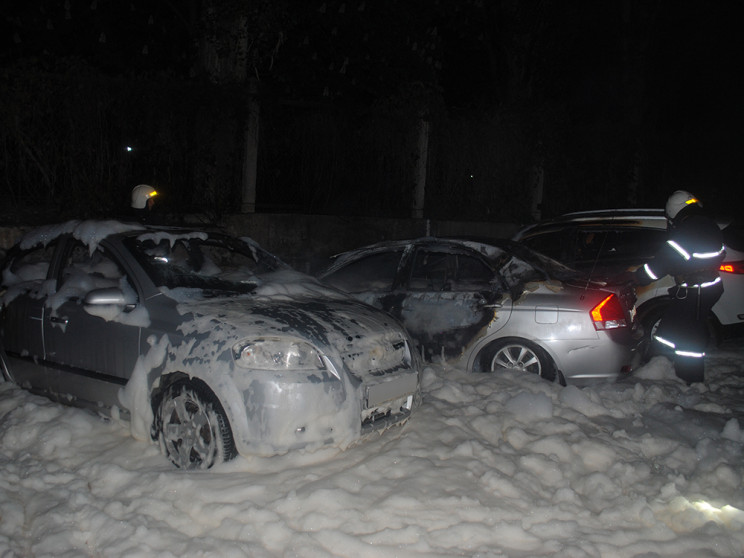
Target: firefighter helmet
678 201
140 195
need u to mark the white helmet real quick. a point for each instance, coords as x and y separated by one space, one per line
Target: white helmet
678 201
140 195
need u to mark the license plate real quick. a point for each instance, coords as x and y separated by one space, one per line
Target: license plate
391 389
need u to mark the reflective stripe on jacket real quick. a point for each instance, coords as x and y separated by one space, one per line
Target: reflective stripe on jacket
692 254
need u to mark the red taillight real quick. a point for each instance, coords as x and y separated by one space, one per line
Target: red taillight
737 268
609 314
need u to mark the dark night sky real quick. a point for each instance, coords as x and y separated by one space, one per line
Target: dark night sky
688 71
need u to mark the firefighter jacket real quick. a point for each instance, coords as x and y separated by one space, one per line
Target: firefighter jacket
692 254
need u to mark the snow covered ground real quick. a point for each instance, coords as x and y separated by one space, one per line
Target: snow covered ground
490 465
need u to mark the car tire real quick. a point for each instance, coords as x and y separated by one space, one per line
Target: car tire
194 431
650 322
517 354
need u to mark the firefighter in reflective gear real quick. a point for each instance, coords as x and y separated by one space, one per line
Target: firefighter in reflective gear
692 254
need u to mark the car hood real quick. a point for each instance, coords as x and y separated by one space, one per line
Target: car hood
364 338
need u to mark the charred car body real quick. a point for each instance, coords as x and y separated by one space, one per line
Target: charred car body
203 341
487 306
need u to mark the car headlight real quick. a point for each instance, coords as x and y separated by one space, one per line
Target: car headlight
276 353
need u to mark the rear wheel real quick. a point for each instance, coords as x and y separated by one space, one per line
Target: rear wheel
517 354
194 431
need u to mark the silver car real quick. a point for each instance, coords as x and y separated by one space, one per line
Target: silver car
491 306
204 342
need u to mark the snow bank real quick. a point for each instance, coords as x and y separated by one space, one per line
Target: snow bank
490 465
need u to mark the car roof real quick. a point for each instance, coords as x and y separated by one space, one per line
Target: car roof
490 249
614 216
93 231
613 213
484 246
649 218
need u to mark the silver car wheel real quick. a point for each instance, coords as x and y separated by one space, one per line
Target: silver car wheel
194 432
516 357
521 355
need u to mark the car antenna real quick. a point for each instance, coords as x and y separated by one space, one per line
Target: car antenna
596 256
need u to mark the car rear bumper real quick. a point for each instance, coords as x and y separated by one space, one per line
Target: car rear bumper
614 354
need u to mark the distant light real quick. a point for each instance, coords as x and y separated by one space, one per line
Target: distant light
129 148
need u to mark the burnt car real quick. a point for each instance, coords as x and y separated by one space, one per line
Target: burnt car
490 306
204 342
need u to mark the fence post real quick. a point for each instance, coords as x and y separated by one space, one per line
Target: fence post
250 153
422 155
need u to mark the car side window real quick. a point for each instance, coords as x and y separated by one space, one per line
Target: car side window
591 245
446 271
552 244
84 271
621 246
375 272
472 273
643 242
29 266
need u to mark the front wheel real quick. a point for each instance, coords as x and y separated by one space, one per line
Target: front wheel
520 355
194 431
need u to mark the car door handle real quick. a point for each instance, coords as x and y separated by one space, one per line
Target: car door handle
58 320
483 302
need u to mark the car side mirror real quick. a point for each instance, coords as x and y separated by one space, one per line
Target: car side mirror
109 295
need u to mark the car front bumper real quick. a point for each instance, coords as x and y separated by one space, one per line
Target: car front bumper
286 412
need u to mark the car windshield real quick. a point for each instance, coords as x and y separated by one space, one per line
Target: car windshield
198 260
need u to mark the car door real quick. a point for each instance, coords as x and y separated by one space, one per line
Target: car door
25 286
94 348
451 298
